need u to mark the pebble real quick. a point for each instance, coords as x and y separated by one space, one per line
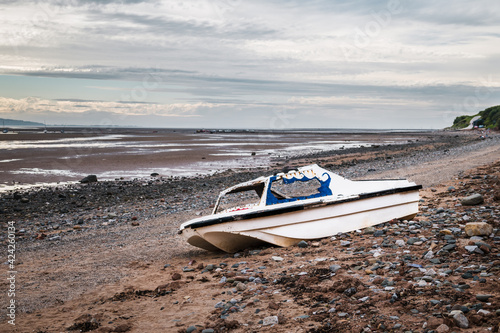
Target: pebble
302 244
271 320
412 240
335 268
421 283
472 200
460 319
478 229
443 328
483 297
191 329
302 317
429 255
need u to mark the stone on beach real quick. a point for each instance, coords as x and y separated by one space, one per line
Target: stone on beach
460 319
478 229
271 320
472 200
89 179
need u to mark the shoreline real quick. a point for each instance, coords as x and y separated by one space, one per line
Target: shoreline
88 252
63 157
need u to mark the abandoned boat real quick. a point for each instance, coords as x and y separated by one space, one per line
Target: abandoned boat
303 204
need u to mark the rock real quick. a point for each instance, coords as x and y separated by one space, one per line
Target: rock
443 328
422 283
434 322
176 276
345 243
25 200
400 243
449 247
155 174
123 328
429 255
412 240
241 286
369 230
135 224
271 320
191 329
460 319
302 244
483 298
276 258
335 268
445 232
478 229
483 312
472 200
471 248
89 179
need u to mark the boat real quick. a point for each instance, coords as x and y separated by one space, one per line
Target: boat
299 205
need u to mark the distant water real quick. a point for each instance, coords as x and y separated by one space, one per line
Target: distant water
48 159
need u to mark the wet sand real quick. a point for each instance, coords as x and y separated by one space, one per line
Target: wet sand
29 158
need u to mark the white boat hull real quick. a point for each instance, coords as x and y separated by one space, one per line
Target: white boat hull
315 221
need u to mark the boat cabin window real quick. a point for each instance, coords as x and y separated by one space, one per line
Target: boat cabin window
240 199
287 190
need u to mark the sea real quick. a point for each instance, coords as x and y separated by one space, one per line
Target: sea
34 158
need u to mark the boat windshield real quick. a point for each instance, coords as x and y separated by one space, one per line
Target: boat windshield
241 198
283 190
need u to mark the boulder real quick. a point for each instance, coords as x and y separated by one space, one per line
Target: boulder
89 179
471 200
478 229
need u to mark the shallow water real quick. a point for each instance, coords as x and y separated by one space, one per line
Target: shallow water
67 157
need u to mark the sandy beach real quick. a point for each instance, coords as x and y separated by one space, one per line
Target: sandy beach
106 257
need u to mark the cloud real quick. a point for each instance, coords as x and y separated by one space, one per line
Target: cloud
33 105
231 60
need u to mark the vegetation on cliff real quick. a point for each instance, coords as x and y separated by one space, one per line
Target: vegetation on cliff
490 118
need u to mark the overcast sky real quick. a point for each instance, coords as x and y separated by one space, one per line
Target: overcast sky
249 64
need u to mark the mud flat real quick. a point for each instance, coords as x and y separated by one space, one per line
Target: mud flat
37 158
105 257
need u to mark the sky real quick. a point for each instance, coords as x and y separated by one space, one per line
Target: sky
249 64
